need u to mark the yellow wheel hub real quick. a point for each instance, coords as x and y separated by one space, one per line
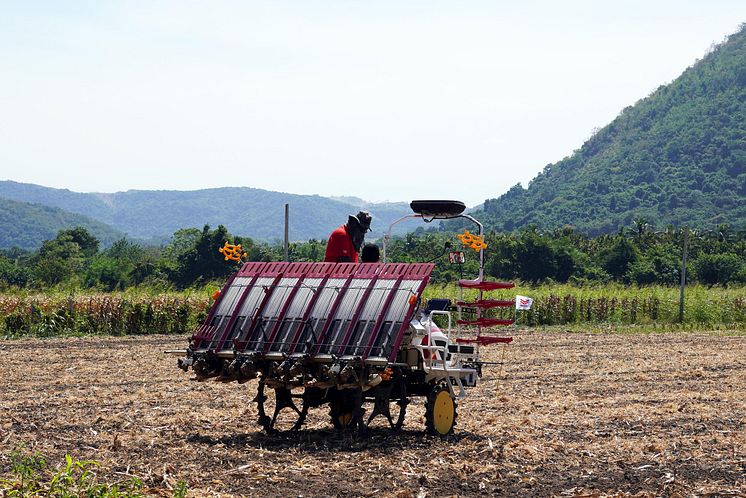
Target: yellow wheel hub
444 410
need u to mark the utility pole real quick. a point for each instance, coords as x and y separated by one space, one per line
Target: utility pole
287 222
683 274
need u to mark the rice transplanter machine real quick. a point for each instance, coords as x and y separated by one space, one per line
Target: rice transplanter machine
349 336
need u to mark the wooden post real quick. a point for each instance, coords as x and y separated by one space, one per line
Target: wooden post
287 221
683 274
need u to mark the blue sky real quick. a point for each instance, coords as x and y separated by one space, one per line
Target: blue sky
384 100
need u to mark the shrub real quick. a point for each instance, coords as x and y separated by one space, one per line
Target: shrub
712 269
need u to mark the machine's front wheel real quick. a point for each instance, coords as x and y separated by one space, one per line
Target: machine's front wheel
440 411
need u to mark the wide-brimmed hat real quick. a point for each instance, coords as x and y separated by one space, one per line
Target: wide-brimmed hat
363 219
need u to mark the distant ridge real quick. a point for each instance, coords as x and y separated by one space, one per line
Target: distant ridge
676 157
256 213
27 225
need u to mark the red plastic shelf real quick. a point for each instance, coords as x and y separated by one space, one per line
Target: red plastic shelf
485 322
485 285
488 303
485 339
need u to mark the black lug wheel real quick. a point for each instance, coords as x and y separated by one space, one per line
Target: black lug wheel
283 404
346 410
391 402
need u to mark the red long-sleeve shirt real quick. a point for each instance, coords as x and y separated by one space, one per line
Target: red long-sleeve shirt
340 246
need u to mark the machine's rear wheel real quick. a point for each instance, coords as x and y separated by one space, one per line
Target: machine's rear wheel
440 411
288 410
391 402
345 409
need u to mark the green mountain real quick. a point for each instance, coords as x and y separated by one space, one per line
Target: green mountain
256 213
676 157
27 225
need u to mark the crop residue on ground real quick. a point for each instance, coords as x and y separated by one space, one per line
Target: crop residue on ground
575 414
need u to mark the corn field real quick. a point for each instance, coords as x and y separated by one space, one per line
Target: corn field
137 313
100 314
618 305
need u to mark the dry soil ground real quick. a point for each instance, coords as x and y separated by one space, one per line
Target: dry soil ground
574 414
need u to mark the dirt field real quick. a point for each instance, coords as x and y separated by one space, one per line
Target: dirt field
575 415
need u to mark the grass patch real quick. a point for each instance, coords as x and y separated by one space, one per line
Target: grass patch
736 329
31 476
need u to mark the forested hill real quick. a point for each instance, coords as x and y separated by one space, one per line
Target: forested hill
27 225
676 157
256 213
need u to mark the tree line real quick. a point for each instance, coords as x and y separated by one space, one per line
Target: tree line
638 255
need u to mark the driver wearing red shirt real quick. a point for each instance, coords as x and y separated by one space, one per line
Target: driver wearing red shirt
345 242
